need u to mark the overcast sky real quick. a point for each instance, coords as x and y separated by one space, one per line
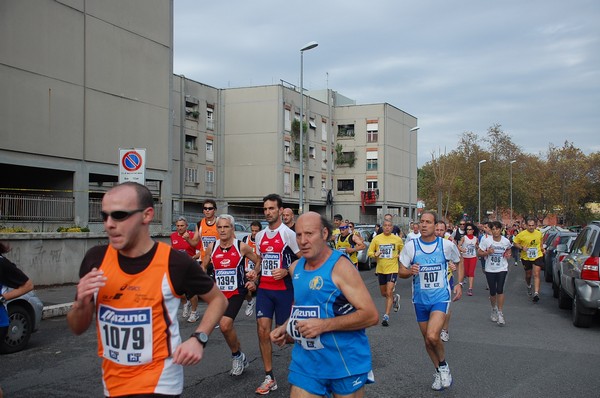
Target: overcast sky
532 66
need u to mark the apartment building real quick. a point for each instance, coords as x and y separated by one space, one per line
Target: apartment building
81 79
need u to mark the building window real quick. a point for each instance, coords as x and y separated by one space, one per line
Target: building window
287 120
323 188
311 181
296 182
286 184
210 154
287 152
371 185
324 130
210 181
345 185
345 131
372 132
190 143
312 153
210 121
191 108
312 124
191 174
371 160
324 159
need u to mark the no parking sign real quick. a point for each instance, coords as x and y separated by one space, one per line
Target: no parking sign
132 165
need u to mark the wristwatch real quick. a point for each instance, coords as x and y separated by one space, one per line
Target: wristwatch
2 299
460 283
201 337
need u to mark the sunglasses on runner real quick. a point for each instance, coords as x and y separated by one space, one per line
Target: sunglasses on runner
208 208
119 215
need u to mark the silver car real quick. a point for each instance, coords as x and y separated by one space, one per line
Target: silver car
364 261
579 277
25 315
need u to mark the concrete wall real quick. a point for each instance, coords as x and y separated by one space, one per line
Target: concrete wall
53 258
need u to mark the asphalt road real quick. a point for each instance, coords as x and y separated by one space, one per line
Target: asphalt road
539 353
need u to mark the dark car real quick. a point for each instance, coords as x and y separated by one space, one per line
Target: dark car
562 250
25 315
579 277
557 238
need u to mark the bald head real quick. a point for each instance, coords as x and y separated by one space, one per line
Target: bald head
312 234
288 216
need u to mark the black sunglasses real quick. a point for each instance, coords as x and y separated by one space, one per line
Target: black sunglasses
208 208
119 215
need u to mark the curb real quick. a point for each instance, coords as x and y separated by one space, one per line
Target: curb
52 311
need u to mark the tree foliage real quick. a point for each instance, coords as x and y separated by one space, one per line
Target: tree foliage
559 182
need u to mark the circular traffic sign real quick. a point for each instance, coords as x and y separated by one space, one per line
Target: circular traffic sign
132 161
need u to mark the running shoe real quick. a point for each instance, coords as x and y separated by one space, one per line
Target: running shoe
437 382
470 292
187 308
250 306
500 319
529 290
494 316
239 364
536 297
386 320
194 316
445 376
444 335
267 386
396 302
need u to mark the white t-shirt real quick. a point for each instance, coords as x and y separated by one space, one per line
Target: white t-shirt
412 235
408 252
496 262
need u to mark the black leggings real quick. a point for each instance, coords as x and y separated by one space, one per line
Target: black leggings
495 282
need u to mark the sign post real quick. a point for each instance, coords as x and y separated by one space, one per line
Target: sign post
132 165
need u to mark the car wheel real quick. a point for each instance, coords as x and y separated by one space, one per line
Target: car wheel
580 320
564 301
548 273
19 330
554 289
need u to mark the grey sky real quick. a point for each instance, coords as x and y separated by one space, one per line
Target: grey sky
531 66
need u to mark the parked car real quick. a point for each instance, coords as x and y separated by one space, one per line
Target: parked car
364 261
551 244
579 277
562 250
25 315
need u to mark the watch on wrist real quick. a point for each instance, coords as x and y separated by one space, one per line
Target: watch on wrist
461 283
2 299
201 337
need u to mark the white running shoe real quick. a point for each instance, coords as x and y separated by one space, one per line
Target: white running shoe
494 316
250 306
500 318
437 382
529 290
267 386
187 308
194 316
444 335
445 376
396 302
239 364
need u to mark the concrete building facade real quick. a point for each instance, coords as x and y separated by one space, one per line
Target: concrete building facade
81 79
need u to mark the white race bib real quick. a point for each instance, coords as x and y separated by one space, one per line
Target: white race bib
532 252
385 251
431 276
226 279
301 312
126 334
270 261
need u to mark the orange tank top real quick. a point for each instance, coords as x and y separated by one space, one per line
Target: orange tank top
136 324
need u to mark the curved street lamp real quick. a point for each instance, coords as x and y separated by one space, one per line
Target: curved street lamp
479 191
410 215
308 46
511 185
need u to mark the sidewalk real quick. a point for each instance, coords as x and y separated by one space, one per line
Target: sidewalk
57 299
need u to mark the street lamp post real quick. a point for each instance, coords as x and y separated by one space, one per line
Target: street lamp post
308 46
511 183
479 191
414 129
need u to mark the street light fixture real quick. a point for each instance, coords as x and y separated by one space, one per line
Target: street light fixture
479 193
308 46
511 185
414 129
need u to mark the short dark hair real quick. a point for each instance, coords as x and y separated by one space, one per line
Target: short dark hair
274 197
256 224
211 201
496 224
433 213
442 222
338 217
